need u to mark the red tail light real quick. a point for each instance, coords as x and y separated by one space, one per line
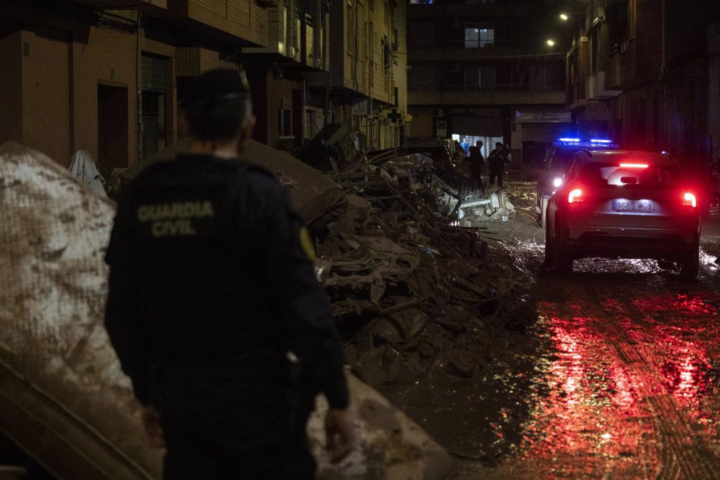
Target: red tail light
634 165
575 196
689 200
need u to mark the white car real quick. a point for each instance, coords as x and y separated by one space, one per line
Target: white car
557 162
623 204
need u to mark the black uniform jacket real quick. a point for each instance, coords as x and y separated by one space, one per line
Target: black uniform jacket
497 160
209 266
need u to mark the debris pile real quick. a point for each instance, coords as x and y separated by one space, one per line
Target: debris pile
495 205
413 289
64 398
404 253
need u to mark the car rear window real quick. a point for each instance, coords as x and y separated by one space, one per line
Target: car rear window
562 158
614 175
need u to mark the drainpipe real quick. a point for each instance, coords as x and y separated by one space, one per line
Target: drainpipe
138 86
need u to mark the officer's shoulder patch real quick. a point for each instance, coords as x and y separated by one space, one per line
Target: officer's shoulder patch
306 243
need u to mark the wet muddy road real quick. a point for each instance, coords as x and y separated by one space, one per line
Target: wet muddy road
619 379
625 383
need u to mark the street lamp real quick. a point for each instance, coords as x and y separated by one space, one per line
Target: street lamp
564 17
551 43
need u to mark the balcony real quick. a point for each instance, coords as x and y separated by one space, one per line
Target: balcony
122 4
622 64
241 23
495 94
295 44
430 50
597 87
454 8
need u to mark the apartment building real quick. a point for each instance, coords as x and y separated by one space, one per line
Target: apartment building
104 75
488 69
298 43
641 71
366 86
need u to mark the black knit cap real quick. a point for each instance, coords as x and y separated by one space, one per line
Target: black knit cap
215 86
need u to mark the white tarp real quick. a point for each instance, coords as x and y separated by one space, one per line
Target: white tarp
83 168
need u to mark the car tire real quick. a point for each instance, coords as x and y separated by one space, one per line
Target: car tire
543 211
690 266
549 262
563 262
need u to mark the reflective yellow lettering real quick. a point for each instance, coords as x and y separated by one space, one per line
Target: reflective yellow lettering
159 229
207 210
142 213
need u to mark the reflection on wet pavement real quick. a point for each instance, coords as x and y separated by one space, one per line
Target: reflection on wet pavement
626 383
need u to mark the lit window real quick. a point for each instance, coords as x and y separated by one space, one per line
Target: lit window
479 36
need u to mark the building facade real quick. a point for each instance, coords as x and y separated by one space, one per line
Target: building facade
486 70
105 76
298 43
366 86
642 71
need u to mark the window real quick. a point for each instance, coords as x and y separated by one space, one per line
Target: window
421 35
595 53
386 57
371 42
310 127
538 77
422 78
350 29
421 2
479 36
479 77
372 5
285 122
365 39
154 103
613 175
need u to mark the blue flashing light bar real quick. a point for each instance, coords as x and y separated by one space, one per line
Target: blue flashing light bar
596 143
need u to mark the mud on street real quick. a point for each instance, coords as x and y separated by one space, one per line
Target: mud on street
618 379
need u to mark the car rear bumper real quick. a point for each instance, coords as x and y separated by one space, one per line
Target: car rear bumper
632 243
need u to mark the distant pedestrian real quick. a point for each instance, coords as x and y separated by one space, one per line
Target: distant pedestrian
459 148
476 161
460 156
497 160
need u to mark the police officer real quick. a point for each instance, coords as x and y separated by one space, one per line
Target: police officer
496 164
214 309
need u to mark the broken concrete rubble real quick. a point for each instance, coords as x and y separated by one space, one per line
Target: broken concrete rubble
413 293
63 397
